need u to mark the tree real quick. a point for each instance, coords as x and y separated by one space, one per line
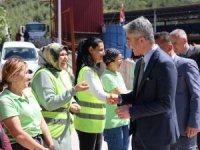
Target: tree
3 25
20 12
113 5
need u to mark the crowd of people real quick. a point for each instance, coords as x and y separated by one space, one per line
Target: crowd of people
162 112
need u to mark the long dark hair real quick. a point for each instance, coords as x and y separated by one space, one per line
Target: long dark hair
83 56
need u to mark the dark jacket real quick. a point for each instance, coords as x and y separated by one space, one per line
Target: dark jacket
153 113
194 53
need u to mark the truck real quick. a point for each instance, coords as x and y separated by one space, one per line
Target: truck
37 33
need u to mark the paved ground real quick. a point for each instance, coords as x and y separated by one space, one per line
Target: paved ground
75 143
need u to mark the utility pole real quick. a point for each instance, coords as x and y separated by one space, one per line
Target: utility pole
154 17
59 22
154 20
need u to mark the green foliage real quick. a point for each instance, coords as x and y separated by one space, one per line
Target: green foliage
114 5
3 24
20 12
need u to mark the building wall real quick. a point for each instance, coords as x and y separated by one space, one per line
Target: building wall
88 15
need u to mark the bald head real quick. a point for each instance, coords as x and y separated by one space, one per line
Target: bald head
179 40
179 33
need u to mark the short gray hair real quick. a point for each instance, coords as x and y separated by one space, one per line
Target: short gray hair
141 27
179 33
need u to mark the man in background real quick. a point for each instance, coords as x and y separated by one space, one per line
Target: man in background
179 39
187 95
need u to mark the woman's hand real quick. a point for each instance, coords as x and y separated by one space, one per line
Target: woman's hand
112 98
81 86
75 108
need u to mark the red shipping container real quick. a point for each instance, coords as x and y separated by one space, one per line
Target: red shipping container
88 16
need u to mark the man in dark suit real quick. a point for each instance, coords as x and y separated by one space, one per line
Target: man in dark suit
153 115
187 95
180 41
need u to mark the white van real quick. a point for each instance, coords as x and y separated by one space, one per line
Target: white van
25 50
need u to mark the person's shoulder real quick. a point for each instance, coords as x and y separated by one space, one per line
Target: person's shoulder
163 57
88 71
190 63
28 93
195 46
6 98
5 95
42 73
194 49
186 61
39 78
106 76
163 60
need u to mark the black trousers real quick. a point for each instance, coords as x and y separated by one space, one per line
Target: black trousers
137 144
90 141
38 138
198 140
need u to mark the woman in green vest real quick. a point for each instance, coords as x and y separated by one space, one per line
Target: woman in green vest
116 132
52 86
90 121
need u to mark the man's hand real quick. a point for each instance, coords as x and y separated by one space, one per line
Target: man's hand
123 111
190 132
112 98
75 108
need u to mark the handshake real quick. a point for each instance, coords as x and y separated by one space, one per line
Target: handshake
121 111
112 99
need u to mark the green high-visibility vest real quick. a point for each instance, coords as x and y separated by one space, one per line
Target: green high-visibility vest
59 119
91 118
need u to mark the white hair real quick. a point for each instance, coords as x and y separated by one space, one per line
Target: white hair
140 26
179 33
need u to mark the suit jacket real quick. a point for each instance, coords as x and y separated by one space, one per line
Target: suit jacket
194 53
153 113
187 94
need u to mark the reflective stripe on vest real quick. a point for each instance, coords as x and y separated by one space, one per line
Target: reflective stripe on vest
54 120
57 120
91 105
91 118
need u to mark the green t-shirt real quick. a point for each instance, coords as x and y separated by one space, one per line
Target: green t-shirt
25 107
110 81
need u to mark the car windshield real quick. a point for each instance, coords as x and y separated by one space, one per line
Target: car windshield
35 27
26 54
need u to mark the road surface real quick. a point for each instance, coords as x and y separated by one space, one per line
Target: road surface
75 143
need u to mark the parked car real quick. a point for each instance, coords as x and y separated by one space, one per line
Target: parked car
25 50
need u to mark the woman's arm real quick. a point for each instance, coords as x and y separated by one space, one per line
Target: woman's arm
14 126
95 88
45 92
46 134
